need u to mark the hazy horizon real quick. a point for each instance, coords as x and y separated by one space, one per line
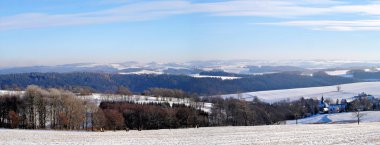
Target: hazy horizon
109 31
253 62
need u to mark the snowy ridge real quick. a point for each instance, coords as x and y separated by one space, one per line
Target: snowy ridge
334 67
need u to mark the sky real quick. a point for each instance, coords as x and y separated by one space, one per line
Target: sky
50 32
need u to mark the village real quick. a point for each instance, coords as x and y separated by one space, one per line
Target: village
361 102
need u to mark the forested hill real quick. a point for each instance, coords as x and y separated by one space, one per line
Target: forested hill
138 83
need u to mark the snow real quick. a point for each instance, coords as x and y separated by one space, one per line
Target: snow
370 116
367 70
6 92
218 77
347 92
141 99
143 72
372 69
342 73
237 68
112 65
118 66
366 133
265 73
337 72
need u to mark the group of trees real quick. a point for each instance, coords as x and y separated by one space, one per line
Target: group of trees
163 92
364 104
122 115
240 112
38 107
106 83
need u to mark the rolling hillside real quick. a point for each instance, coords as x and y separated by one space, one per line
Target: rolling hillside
370 116
347 91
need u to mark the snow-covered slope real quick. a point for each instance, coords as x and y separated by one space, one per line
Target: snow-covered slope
337 72
370 116
347 91
343 134
342 73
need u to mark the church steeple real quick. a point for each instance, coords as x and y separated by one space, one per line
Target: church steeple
322 100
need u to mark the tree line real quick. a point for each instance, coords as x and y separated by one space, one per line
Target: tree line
151 116
52 108
109 83
237 112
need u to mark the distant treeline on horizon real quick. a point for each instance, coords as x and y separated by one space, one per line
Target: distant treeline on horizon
106 83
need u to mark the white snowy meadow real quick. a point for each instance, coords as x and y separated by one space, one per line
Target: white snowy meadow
366 133
347 91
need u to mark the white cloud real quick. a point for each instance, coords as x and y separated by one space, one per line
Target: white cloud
132 12
358 25
369 9
139 11
267 8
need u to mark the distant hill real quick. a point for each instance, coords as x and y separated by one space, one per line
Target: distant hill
105 82
348 91
80 67
269 69
360 74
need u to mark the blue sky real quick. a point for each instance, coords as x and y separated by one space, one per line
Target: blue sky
49 32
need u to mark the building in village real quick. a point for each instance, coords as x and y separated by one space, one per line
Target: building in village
339 106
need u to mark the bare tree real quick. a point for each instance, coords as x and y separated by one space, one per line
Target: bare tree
73 109
115 119
358 115
34 105
123 91
99 120
328 101
84 91
91 108
338 88
55 106
14 119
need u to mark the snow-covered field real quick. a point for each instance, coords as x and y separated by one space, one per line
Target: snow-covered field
5 92
347 91
342 73
370 116
337 72
366 133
